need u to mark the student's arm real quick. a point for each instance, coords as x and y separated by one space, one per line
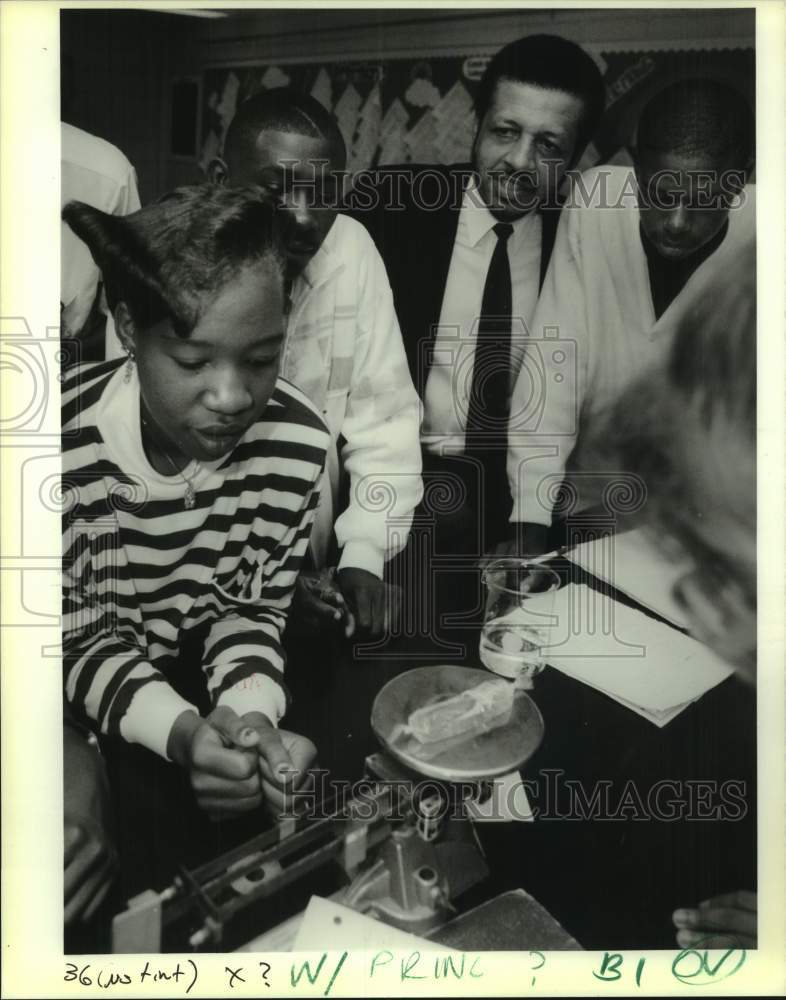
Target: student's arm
244 666
110 684
549 390
381 453
244 657
113 688
381 430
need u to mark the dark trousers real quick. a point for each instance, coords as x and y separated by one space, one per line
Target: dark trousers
466 502
463 516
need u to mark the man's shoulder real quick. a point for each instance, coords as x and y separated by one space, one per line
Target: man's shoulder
84 151
603 186
348 234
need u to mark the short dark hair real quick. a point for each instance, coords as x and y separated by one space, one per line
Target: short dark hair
167 259
698 117
552 63
285 110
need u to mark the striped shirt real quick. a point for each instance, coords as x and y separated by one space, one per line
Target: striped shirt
140 571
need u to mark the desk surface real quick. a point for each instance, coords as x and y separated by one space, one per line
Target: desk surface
632 821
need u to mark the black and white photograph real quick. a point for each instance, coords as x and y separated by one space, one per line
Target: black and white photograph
405 450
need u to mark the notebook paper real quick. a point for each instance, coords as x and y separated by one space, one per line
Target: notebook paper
631 563
643 664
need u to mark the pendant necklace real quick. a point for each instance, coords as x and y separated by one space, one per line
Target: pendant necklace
189 497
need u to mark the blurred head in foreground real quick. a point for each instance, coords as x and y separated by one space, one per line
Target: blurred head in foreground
689 431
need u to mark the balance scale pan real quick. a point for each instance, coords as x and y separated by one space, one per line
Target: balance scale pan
475 758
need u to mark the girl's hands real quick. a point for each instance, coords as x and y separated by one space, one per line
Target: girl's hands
235 763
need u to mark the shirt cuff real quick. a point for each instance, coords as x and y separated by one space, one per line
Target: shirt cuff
530 510
256 693
519 517
363 555
151 715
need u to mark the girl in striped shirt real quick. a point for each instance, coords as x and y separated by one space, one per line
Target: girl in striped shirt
191 474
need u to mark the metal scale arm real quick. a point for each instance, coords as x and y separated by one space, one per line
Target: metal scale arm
202 905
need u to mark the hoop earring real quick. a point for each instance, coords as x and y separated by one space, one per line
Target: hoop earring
129 368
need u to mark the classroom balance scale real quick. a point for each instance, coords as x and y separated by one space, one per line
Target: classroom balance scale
403 852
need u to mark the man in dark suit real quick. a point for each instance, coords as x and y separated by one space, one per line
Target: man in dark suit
466 248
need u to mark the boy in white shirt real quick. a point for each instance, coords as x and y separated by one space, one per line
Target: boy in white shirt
627 244
343 349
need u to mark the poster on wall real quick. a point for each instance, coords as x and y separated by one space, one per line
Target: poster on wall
396 111
632 78
421 110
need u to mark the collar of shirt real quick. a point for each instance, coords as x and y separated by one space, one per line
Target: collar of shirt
118 421
476 221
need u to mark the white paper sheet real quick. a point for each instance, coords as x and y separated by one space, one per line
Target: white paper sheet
328 926
455 105
396 117
508 802
275 77
367 134
421 93
659 719
322 90
631 563
645 665
455 124
393 149
421 139
347 110
393 130
227 106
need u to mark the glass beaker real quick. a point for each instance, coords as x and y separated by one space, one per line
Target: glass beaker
517 618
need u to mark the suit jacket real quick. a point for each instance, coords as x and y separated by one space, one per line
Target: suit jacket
412 213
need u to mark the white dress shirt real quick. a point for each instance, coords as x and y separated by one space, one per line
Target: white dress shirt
344 350
96 172
594 332
450 375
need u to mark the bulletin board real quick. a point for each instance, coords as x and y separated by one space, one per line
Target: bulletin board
397 111
632 78
421 110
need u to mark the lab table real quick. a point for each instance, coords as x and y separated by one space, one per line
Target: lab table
631 820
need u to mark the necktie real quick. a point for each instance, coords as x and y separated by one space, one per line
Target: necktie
487 412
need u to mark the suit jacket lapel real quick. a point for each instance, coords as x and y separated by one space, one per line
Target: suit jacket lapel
439 235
